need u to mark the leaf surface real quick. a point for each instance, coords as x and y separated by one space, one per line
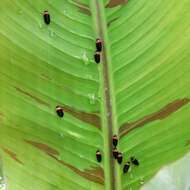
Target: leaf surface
139 91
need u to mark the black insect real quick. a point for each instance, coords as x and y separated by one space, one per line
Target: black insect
97 57
46 17
134 161
59 111
119 158
126 167
114 140
98 45
98 156
115 153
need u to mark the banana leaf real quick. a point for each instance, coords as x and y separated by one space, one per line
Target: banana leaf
140 91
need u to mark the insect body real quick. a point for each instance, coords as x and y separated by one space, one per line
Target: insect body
98 45
115 153
119 158
126 167
97 57
114 140
59 111
46 17
98 156
134 161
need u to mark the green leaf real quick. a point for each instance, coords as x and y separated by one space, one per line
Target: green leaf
139 91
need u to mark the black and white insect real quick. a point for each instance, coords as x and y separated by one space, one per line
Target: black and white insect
98 45
115 153
59 111
134 161
114 140
46 17
97 57
119 158
126 167
98 156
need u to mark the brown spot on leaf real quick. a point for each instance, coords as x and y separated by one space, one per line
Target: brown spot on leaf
111 21
84 10
90 118
159 115
83 7
95 175
187 143
43 147
32 96
1 117
1 114
45 77
114 3
12 155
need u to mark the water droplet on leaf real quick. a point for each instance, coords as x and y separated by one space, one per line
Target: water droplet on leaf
92 98
141 180
52 33
85 58
64 12
40 25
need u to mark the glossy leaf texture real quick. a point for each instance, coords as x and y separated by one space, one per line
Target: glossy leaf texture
139 91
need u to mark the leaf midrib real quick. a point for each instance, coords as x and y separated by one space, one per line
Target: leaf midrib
108 108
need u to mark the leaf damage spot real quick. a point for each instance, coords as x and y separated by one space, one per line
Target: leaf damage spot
83 8
45 77
12 155
2 116
85 11
111 21
43 147
114 3
32 96
88 174
96 174
187 143
159 115
90 118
